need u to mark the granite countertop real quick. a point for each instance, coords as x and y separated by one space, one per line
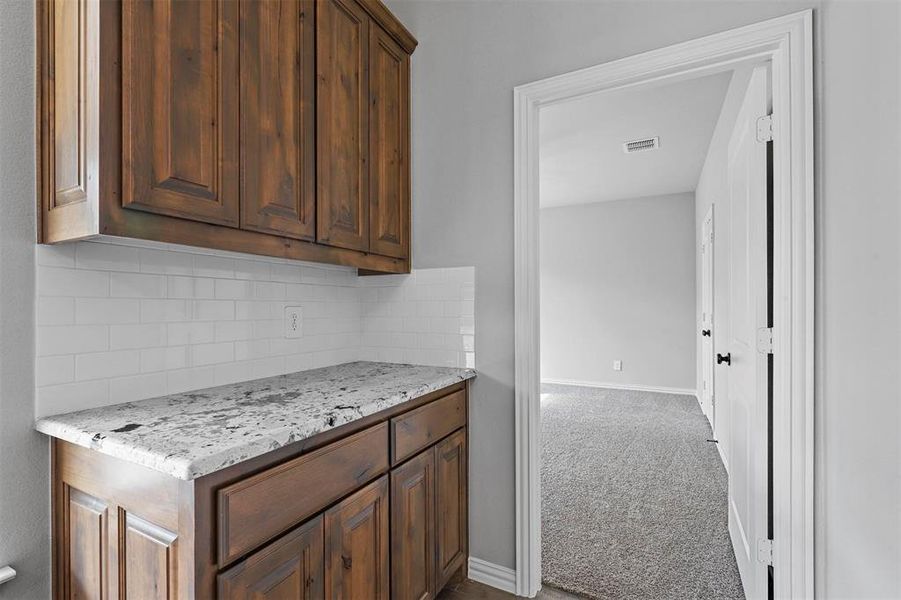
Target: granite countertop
196 433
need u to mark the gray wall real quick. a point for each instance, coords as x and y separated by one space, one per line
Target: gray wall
618 283
472 54
24 474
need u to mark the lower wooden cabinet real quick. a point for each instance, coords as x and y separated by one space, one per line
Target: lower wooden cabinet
289 568
451 493
356 545
413 528
332 518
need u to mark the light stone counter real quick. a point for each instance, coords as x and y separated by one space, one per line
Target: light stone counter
196 433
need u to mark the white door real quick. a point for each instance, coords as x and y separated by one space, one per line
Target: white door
708 402
748 371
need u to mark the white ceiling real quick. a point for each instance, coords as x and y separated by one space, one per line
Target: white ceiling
581 141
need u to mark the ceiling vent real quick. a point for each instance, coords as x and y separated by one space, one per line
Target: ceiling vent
641 145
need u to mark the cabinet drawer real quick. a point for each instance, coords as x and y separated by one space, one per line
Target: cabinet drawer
426 425
258 508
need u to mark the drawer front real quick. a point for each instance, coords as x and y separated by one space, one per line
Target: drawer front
258 508
420 428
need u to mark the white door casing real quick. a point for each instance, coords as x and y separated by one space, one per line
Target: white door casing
708 402
748 372
787 42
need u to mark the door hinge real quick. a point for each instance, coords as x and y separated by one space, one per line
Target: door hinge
765 552
765 340
765 128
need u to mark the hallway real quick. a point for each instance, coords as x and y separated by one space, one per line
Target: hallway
633 497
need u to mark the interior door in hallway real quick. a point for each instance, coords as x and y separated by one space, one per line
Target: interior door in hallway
748 313
708 400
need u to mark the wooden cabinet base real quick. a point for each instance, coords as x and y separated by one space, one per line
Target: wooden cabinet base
369 531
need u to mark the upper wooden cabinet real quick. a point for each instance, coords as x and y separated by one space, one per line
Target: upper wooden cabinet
389 146
278 141
180 108
264 126
342 51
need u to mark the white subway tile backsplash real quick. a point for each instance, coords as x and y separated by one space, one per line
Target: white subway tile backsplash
56 399
286 273
137 285
180 334
166 262
268 290
251 349
56 311
230 331
52 370
185 380
213 266
55 281
107 257
210 354
58 255
164 359
253 270
137 387
106 311
165 311
190 287
233 289
214 310
103 365
129 337
71 339
248 310
119 322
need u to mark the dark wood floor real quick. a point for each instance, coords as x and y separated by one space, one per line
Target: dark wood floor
470 590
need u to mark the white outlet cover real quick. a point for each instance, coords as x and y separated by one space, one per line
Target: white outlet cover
293 322
617 365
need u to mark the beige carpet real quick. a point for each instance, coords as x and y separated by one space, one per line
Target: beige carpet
633 497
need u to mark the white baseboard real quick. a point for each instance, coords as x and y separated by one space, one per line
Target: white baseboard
491 574
624 386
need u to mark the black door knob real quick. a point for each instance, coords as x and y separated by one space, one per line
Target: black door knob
720 359
705 332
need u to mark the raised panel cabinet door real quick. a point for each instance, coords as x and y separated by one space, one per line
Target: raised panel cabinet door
147 559
413 529
69 90
289 569
84 546
277 55
356 545
342 121
180 108
451 492
389 142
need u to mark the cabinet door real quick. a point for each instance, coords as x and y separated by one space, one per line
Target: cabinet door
277 120
342 67
413 529
356 545
451 512
389 140
180 108
289 569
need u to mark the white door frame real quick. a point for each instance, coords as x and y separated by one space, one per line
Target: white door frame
787 43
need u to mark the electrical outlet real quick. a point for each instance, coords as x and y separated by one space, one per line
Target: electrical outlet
293 322
617 365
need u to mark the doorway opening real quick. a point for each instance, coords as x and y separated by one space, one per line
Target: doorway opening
766 344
